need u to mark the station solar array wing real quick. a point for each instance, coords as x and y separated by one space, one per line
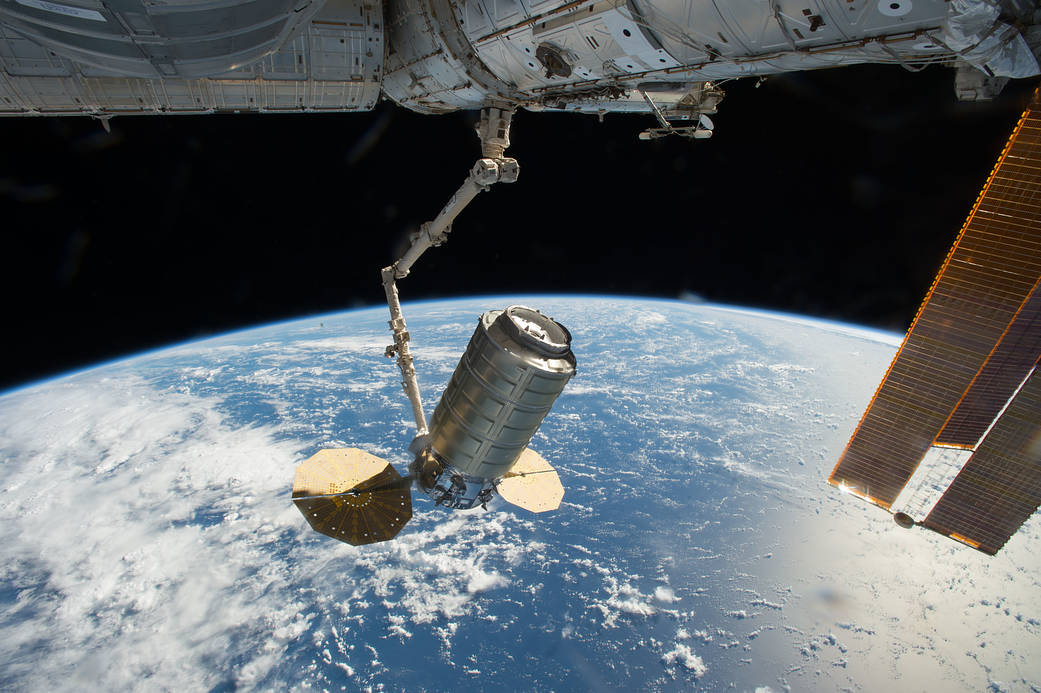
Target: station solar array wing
961 389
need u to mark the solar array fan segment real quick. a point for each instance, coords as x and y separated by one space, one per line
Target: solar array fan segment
975 339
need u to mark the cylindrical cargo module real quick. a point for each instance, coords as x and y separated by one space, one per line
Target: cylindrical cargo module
517 363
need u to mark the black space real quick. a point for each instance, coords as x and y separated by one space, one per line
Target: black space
835 194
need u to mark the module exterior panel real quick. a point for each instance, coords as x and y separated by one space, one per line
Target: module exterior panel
975 339
335 63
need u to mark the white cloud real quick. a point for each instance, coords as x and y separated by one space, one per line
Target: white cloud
622 598
683 655
665 594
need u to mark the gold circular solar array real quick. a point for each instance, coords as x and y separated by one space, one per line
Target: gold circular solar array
532 484
368 517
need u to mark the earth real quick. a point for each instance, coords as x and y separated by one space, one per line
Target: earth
150 543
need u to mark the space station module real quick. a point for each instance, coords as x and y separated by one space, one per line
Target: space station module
667 57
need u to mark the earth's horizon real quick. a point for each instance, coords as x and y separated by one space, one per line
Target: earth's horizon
150 541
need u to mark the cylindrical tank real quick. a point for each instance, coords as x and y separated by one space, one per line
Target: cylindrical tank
517 363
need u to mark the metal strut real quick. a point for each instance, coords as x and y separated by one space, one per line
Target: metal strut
493 167
701 130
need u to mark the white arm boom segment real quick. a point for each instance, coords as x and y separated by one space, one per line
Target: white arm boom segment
494 168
